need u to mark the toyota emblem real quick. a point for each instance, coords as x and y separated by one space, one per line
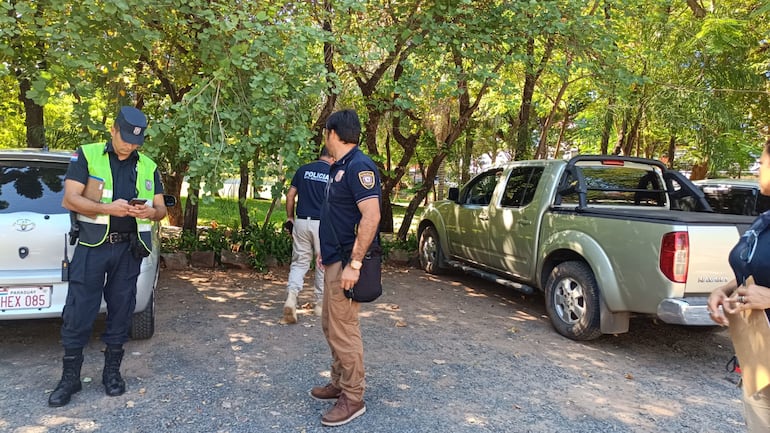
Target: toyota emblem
24 225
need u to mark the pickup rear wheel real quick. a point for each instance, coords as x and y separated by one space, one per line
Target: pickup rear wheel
431 256
572 301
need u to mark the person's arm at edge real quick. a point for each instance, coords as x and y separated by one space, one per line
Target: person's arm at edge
291 198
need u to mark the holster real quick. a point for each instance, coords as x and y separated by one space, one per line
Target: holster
137 249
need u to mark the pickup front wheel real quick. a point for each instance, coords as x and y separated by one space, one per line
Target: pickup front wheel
431 256
572 301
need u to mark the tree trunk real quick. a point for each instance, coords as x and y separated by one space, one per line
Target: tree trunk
419 196
542 146
607 128
562 131
671 150
620 144
531 76
172 184
699 170
633 134
243 192
465 174
33 117
190 223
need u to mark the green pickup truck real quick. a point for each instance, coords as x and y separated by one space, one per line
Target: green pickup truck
604 237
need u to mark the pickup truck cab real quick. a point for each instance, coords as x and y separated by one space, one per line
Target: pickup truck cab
603 237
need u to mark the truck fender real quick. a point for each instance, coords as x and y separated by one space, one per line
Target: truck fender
572 245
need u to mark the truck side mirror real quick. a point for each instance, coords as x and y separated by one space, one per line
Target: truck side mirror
169 200
454 194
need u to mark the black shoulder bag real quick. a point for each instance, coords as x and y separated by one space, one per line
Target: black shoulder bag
369 285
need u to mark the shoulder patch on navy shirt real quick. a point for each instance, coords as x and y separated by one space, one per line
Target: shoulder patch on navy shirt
367 179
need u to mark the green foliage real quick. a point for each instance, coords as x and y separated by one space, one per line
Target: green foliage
264 243
409 245
232 84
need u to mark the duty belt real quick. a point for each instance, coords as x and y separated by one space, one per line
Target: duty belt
115 238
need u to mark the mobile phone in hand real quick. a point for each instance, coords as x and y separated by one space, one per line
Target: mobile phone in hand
136 201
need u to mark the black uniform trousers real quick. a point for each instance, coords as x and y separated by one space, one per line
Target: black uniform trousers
110 270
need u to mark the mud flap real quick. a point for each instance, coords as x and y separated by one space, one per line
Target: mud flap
612 323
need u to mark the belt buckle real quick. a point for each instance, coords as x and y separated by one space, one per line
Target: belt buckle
113 238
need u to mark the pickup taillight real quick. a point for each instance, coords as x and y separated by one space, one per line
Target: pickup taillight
675 256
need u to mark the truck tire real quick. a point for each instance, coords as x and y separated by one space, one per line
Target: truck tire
572 301
143 323
431 255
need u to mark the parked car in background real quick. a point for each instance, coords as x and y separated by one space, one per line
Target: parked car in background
36 247
734 196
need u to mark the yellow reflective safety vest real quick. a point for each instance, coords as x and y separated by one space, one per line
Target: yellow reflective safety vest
93 231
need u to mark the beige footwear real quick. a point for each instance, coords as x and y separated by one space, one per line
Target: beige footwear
343 412
290 308
318 309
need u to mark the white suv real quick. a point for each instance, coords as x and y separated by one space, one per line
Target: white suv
35 245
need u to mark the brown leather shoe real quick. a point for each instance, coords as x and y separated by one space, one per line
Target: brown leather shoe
326 392
343 412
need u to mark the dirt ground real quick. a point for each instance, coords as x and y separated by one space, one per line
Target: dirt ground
443 354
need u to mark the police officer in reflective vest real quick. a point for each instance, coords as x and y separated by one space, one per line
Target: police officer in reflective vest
115 236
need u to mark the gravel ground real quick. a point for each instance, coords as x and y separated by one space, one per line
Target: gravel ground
443 354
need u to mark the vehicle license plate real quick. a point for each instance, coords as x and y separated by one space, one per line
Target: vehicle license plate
20 298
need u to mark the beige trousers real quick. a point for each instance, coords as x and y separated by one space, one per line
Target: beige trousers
757 409
339 320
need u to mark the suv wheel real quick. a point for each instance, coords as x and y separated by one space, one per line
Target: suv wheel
143 323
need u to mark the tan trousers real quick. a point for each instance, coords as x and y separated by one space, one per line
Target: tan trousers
757 409
339 320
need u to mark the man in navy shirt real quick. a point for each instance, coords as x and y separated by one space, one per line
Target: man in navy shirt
309 184
349 222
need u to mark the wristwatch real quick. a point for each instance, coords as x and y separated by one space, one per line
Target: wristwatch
356 264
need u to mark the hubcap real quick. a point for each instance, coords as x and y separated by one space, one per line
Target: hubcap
428 250
569 301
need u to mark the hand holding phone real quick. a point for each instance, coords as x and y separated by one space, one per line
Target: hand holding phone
136 201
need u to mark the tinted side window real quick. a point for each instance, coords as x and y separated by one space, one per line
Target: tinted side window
736 200
763 203
31 187
608 185
479 191
521 186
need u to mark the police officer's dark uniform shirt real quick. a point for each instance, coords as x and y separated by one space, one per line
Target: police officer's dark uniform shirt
123 182
352 179
746 263
310 181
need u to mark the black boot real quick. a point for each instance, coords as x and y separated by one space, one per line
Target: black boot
114 385
69 383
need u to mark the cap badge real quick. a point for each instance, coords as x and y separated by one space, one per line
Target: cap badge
137 130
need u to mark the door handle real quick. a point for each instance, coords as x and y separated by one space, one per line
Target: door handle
524 222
